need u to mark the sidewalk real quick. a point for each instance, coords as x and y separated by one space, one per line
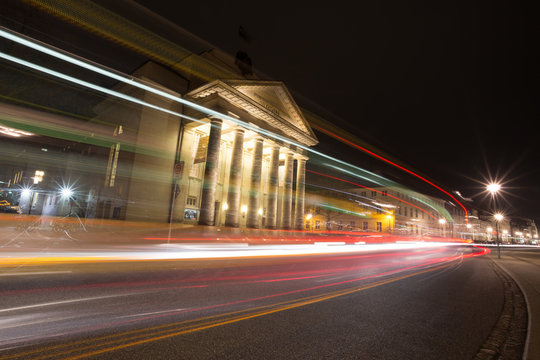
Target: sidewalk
523 265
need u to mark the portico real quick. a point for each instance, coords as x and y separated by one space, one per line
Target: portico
237 173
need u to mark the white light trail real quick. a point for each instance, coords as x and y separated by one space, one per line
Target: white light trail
46 49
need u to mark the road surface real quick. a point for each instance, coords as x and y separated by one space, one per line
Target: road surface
414 303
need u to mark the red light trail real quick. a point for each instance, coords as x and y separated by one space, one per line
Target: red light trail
393 164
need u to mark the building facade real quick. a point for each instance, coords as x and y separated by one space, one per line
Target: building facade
243 173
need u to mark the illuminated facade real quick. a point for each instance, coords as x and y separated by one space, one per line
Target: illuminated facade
234 176
145 157
208 170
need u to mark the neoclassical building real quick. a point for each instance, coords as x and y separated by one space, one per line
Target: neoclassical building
238 173
136 155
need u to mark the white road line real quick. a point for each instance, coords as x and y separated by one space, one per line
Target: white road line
60 303
151 313
22 273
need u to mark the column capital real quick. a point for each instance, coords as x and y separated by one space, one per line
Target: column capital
214 118
238 128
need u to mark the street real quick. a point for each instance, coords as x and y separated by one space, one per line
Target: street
428 302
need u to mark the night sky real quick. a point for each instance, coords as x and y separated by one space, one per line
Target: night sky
448 88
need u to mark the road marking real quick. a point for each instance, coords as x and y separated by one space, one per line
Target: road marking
22 273
152 313
141 336
59 303
284 306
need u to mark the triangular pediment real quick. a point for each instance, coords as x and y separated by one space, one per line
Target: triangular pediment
270 101
275 97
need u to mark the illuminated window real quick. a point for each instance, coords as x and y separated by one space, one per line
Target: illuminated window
190 214
317 224
379 226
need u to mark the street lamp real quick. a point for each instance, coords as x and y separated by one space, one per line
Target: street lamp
498 217
493 189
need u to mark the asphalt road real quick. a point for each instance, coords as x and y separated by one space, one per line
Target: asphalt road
427 303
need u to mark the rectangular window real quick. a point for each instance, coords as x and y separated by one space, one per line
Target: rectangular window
339 225
379 226
192 201
317 224
365 225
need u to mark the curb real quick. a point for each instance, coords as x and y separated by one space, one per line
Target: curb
507 339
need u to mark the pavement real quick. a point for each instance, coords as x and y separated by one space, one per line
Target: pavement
523 265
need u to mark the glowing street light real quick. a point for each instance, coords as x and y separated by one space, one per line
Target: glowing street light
66 193
493 188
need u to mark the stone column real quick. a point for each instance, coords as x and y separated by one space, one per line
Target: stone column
208 197
255 188
273 180
286 222
300 194
235 179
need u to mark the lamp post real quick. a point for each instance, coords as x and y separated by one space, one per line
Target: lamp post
498 217
493 189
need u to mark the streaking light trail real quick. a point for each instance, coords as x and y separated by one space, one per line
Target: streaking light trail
393 164
365 187
25 41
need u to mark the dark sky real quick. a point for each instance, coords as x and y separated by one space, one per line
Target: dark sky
448 88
